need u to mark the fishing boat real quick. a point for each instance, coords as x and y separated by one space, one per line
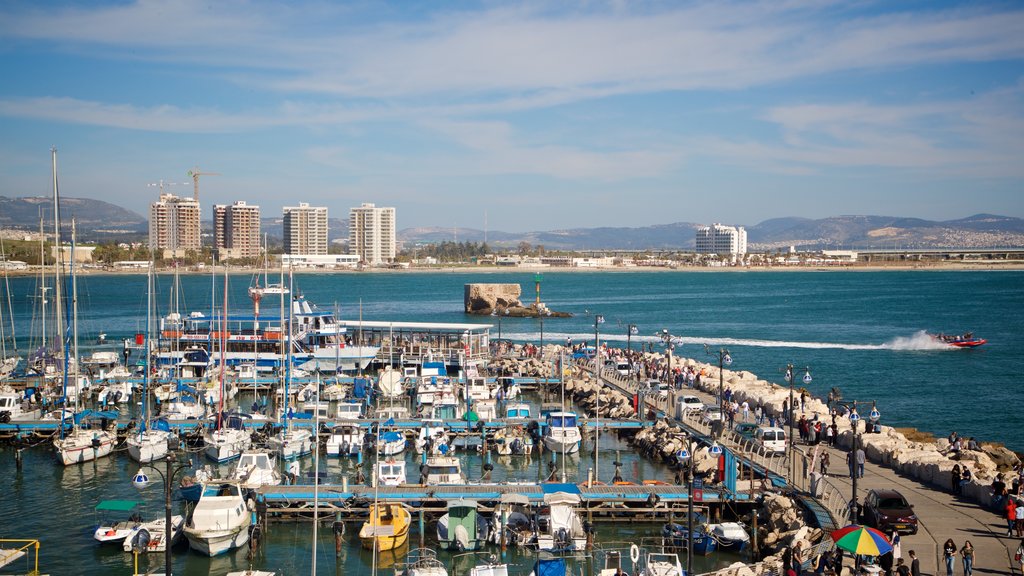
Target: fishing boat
442 470
560 527
149 536
731 536
391 472
345 440
562 433
348 411
116 519
220 521
676 535
12 407
256 468
517 411
462 528
387 527
965 340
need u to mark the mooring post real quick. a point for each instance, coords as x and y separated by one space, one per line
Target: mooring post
423 530
17 458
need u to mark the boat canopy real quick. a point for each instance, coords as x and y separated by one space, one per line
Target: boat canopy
520 499
461 503
118 505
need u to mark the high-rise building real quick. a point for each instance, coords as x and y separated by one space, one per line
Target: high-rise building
236 230
718 239
174 226
371 234
305 229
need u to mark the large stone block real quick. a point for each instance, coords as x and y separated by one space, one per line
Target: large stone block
485 298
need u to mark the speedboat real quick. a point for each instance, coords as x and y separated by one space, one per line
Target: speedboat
731 536
256 468
423 562
462 528
345 440
657 564
562 434
561 528
387 528
149 536
220 521
966 340
116 519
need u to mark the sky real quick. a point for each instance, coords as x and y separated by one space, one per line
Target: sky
522 116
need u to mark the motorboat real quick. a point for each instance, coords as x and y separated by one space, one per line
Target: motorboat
422 562
391 443
560 527
291 443
731 536
562 433
386 528
432 438
477 389
116 519
440 470
966 340
391 472
151 442
676 535
507 388
513 441
462 528
345 440
182 409
348 411
105 365
220 521
612 564
256 468
485 410
514 513
149 536
490 568
517 411
13 409
662 564
227 442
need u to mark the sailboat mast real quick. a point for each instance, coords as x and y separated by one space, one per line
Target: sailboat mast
74 306
288 358
223 345
58 254
146 350
316 475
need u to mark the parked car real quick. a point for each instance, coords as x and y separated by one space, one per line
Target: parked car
691 404
888 510
711 414
773 439
746 429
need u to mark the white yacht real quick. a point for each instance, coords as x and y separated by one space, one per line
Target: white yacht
220 521
442 470
391 472
562 433
12 409
561 528
291 443
345 440
256 468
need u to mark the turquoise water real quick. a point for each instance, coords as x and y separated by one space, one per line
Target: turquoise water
856 330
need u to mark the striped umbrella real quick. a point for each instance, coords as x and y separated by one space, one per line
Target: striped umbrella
861 540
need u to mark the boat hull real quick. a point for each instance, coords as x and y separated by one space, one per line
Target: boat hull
74 450
216 542
557 445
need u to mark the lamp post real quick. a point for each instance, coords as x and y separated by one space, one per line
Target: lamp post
598 320
855 419
630 331
670 345
789 415
724 359
140 481
686 455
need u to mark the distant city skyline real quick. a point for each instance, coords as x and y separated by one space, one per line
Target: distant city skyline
523 117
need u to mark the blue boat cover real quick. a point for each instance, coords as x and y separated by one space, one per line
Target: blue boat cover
359 387
552 488
391 436
552 567
161 424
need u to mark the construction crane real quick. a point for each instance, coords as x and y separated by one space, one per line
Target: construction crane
195 174
161 184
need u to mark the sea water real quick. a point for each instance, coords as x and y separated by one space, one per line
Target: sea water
859 331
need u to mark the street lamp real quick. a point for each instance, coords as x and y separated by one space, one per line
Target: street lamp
670 345
685 456
724 359
855 419
789 414
632 330
141 480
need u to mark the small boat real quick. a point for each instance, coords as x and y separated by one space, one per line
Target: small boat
391 472
508 387
227 442
345 440
731 536
151 442
84 444
965 340
387 527
513 441
220 521
116 519
11 407
517 411
422 562
442 470
491 568
562 434
149 536
391 443
477 389
514 513
560 528
432 438
549 567
256 468
462 528
658 564
676 536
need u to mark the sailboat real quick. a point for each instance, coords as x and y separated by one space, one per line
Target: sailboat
229 438
151 442
290 443
7 363
80 444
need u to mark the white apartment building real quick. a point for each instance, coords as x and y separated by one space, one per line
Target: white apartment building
174 226
718 239
305 229
371 234
236 230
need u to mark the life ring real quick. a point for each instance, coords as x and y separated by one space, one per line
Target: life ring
655 483
634 553
623 483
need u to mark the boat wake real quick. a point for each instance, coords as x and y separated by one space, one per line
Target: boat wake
918 341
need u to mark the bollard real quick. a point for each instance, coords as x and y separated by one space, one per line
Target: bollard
344 483
423 530
590 477
17 458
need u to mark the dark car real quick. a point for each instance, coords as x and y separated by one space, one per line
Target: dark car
888 510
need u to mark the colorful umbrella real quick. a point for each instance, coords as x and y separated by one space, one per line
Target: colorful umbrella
861 540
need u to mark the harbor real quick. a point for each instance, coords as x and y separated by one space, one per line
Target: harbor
629 479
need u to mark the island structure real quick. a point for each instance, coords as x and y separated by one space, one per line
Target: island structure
503 299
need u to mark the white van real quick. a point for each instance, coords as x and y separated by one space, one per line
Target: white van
773 439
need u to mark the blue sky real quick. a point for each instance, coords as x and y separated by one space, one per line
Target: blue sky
533 116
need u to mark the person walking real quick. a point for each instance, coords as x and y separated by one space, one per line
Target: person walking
824 464
894 539
1019 555
915 564
967 557
1020 521
860 462
1010 512
949 554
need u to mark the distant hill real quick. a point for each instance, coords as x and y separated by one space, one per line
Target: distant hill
93 218
101 221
